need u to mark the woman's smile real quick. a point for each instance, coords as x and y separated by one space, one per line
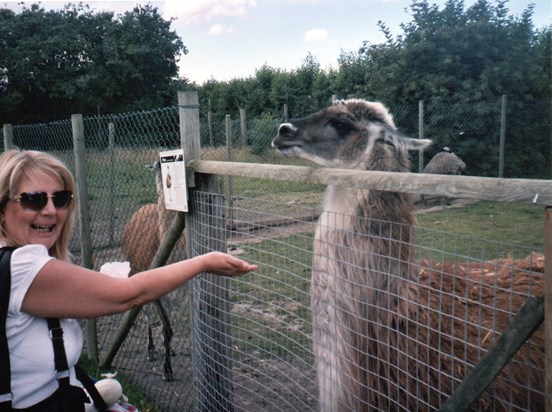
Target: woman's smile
42 226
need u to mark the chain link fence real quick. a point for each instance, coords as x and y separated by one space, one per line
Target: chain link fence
267 222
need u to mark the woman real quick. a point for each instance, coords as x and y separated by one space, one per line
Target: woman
37 208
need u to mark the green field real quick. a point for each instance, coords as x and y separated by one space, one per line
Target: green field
484 230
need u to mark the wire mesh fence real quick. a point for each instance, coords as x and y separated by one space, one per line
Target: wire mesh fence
432 327
267 352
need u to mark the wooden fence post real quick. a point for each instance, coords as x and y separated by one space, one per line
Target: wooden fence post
210 127
230 189
548 307
205 231
111 137
8 136
243 128
420 134
84 220
502 136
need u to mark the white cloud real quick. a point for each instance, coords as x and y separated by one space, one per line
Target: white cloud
218 29
198 11
316 35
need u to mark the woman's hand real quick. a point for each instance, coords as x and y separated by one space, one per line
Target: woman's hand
225 264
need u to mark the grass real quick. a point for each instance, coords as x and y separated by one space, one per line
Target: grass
483 230
271 316
120 181
273 312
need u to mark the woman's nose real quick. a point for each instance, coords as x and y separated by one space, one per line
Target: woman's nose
49 208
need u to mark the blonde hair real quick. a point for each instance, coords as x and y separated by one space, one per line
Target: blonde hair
15 165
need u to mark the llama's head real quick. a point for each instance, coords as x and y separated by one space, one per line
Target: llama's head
155 166
353 133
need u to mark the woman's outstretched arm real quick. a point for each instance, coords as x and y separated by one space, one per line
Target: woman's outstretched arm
64 290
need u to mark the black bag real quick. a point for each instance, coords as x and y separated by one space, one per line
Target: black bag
71 399
66 398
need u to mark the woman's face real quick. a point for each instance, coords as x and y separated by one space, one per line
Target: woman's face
42 227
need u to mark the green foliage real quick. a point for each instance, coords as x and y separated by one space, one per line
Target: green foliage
56 63
264 129
451 54
471 54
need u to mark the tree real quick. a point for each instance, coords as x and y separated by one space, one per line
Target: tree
43 63
460 55
55 63
141 54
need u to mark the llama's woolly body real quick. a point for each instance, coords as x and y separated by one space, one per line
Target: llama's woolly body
445 163
144 231
389 334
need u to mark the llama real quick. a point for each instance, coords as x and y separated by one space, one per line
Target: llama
142 236
445 163
385 335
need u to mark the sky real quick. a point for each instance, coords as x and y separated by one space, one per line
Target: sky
229 39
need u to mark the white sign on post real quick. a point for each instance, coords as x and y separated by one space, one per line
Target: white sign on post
173 174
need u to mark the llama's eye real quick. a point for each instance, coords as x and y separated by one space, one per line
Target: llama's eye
342 126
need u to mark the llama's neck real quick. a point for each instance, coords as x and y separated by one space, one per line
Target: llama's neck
363 204
342 205
365 238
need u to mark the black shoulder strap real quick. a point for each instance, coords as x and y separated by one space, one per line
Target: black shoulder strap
88 383
60 357
5 370
62 368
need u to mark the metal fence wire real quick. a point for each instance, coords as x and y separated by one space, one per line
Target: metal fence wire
462 290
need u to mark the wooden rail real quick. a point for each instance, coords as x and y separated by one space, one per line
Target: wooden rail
484 188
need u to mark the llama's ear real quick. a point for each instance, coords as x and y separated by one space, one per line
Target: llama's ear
418 144
404 142
154 166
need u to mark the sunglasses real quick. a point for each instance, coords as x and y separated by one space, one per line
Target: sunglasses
36 201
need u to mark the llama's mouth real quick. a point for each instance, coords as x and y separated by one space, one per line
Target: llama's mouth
288 150
287 146
43 228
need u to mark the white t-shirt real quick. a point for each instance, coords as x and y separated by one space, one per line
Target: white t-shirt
33 376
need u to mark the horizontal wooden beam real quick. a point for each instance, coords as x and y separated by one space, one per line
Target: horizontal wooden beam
470 187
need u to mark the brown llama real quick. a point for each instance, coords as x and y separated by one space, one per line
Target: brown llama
142 236
445 163
390 334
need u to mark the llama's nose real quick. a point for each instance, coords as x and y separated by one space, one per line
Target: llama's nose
286 134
